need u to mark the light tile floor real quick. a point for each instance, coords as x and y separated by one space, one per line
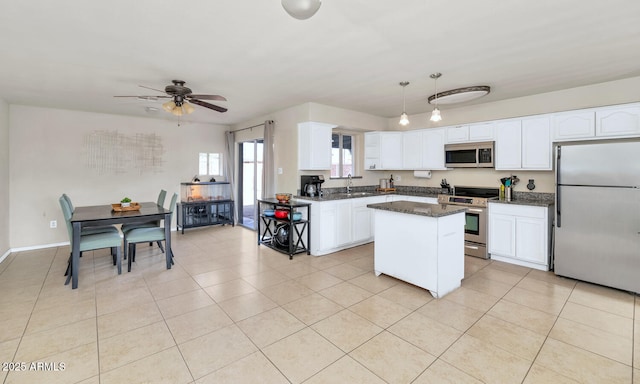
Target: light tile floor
231 311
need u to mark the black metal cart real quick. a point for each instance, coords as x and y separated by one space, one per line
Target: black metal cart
287 236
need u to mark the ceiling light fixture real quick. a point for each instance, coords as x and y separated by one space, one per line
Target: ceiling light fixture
301 9
460 95
404 118
178 106
435 115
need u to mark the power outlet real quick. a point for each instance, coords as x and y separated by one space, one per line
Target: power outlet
398 178
53 224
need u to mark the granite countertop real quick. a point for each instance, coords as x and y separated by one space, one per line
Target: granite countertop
354 195
529 198
421 209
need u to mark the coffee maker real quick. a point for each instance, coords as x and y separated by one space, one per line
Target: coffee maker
311 185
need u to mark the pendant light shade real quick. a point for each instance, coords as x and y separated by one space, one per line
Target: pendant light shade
178 109
435 115
404 118
301 9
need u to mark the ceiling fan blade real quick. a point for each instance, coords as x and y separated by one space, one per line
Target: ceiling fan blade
208 97
153 89
207 105
151 98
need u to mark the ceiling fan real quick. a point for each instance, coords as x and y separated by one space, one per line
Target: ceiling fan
181 97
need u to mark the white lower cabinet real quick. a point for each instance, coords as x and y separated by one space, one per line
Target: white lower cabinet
341 224
519 234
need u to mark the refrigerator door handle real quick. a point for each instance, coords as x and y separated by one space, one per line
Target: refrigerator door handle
558 211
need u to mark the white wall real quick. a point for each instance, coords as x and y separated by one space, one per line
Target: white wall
4 179
286 139
614 92
50 158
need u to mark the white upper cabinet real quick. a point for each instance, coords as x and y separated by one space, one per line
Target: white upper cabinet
595 123
481 131
314 146
383 150
433 148
523 144
618 121
457 134
573 125
508 145
412 149
536 143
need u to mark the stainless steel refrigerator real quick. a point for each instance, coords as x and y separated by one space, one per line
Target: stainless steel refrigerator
597 221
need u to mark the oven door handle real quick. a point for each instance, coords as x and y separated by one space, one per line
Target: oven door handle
475 210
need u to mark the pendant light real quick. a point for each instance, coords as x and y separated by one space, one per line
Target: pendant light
301 9
404 118
435 115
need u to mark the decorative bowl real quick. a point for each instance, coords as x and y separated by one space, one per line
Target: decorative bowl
269 212
281 214
283 197
297 216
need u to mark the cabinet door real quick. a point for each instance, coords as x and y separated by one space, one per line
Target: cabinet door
433 148
481 132
457 134
502 235
618 121
536 143
531 240
412 150
328 217
314 146
362 220
343 222
372 150
508 145
391 150
573 125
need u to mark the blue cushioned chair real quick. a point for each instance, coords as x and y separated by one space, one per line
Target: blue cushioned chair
89 242
143 235
90 230
127 227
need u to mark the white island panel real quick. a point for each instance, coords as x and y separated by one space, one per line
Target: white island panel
422 250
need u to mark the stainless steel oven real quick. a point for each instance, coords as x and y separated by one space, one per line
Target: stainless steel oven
475 229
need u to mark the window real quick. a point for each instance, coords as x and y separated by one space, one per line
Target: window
210 164
342 155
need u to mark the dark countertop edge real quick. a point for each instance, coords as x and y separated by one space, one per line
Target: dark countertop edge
409 207
529 202
343 196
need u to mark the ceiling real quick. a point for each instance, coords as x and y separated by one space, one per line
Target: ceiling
75 54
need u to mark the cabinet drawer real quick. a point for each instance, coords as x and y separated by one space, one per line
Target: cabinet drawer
518 210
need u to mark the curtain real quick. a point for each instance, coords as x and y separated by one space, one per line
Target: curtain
230 168
268 165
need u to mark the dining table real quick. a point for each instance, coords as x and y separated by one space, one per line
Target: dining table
107 215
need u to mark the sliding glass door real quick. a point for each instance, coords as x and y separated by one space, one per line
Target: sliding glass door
250 159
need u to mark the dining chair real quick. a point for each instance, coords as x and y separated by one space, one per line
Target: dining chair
93 229
90 242
150 224
148 234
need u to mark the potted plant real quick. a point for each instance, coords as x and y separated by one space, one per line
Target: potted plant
126 202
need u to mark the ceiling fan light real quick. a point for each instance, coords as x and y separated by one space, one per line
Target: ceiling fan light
404 119
169 106
435 115
177 111
301 9
188 108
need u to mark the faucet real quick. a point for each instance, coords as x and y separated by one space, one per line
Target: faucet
349 184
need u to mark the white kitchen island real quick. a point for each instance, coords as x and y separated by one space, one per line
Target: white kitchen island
422 244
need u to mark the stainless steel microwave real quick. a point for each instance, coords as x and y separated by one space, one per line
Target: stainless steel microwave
469 155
